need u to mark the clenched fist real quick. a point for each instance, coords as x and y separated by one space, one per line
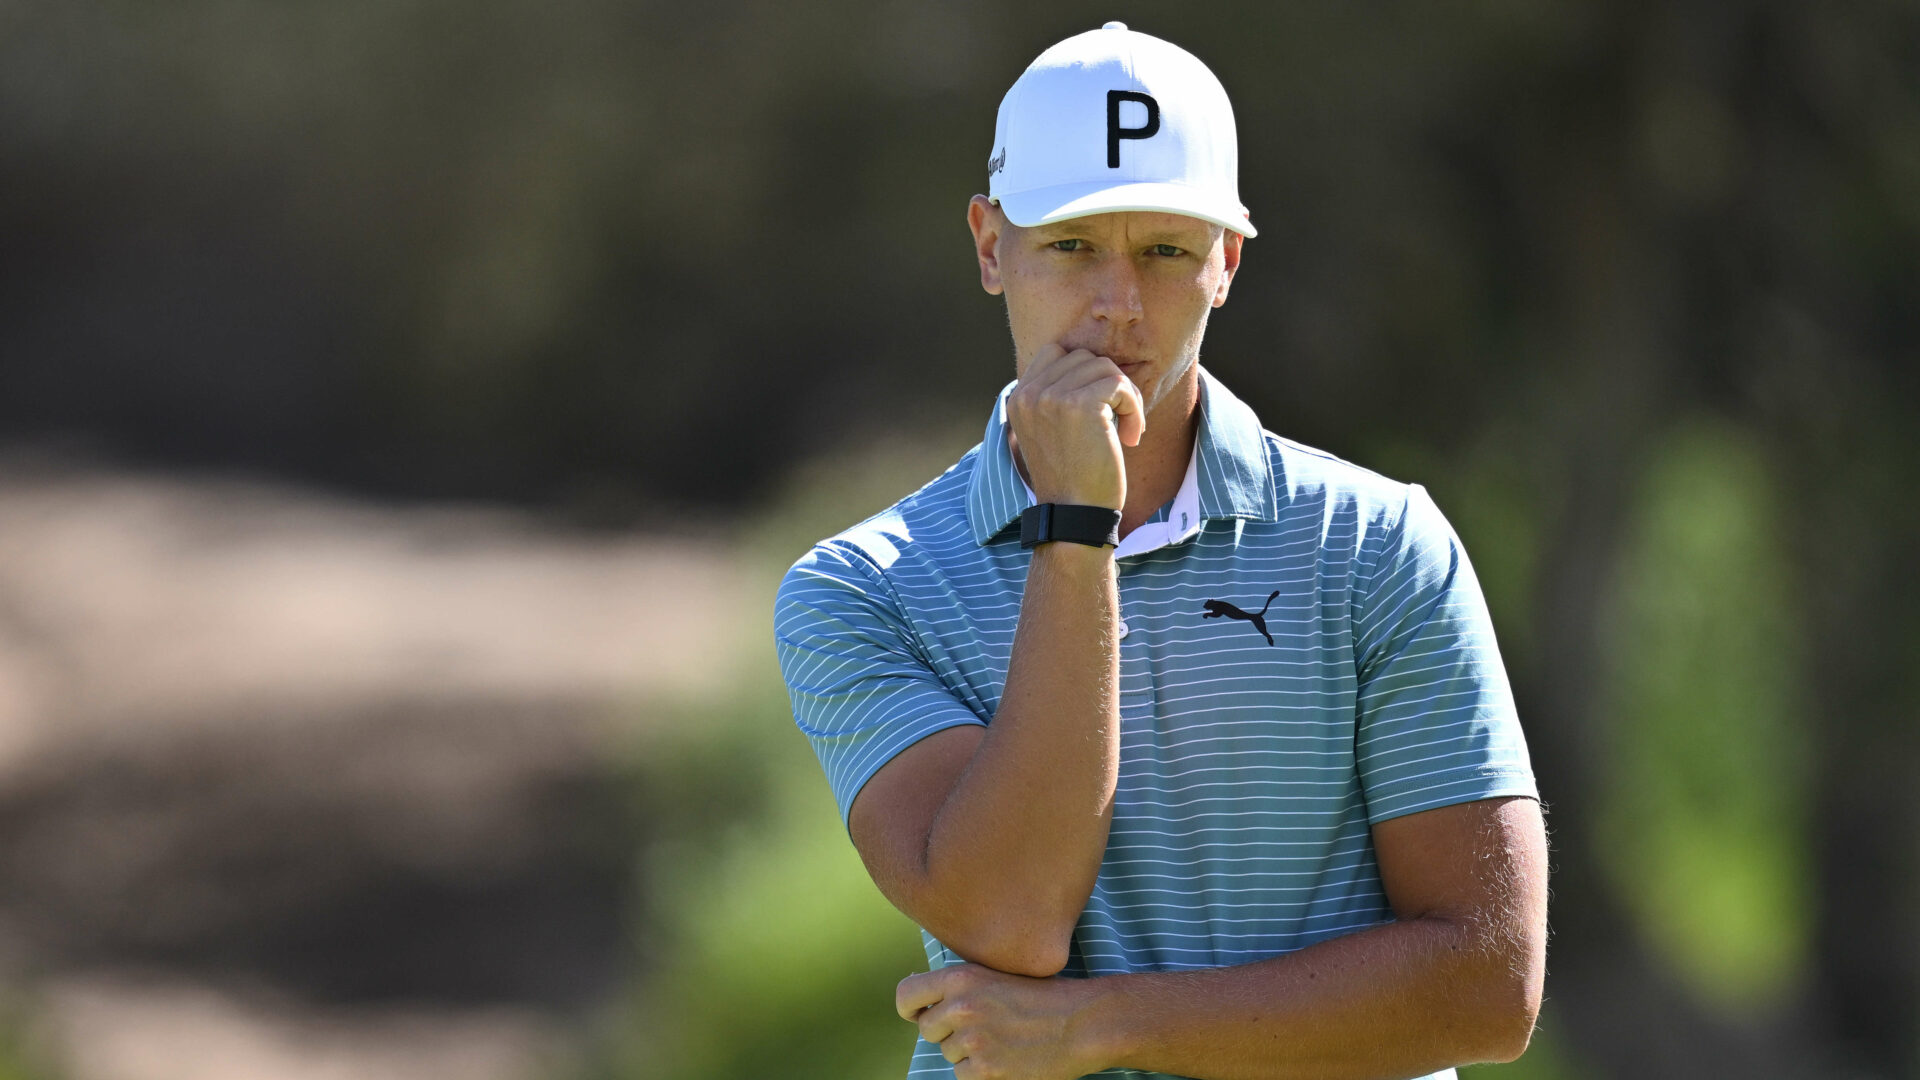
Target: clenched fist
1071 414
995 1026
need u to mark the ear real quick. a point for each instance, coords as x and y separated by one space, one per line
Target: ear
1230 242
988 223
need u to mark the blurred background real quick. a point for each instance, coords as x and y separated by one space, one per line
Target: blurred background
407 409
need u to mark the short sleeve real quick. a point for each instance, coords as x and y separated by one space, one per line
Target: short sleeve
1436 723
861 691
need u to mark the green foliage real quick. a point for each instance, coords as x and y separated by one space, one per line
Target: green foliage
18 1061
765 948
1703 821
782 955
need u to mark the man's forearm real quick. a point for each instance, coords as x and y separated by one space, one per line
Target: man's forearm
1398 1000
1015 849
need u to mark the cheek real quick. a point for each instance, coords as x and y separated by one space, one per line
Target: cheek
1033 301
1185 304
1032 322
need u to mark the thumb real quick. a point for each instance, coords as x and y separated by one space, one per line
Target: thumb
1129 415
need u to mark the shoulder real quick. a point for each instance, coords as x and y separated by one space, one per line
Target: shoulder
1307 479
861 556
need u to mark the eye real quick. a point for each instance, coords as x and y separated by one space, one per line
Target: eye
1168 250
1056 245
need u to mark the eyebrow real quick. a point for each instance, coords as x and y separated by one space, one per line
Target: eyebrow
1058 229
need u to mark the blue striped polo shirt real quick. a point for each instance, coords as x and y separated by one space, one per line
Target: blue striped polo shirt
1255 753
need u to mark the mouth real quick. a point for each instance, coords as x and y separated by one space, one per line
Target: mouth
1130 366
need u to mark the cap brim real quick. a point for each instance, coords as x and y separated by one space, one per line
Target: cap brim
1043 206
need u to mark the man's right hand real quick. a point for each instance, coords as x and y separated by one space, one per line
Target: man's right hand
991 837
1071 414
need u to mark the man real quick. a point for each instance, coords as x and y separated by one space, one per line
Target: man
1188 747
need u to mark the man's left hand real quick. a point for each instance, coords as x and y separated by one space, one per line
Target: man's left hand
995 1026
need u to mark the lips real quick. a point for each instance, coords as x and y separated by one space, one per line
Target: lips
1127 364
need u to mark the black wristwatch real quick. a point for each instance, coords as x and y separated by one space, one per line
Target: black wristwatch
1094 526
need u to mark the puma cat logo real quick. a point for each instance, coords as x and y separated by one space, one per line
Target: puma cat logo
1217 608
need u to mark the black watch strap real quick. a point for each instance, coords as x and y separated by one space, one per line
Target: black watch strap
1095 526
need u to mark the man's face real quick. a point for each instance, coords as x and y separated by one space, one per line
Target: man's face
1133 286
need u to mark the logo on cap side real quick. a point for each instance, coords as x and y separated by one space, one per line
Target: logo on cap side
997 162
1115 132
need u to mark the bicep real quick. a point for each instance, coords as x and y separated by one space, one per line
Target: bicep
894 811
1481 867
1484 860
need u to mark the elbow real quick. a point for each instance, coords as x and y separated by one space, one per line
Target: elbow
1019 934
1036 952
1497 989
1510 1024
1511 1034
1036 961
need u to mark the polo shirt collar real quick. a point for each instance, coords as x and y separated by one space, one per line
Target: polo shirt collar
1229 475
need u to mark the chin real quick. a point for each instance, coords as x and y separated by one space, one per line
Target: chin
1159 387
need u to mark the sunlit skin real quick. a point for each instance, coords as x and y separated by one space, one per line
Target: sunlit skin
1133 287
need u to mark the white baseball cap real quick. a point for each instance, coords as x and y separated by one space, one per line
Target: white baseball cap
1114 119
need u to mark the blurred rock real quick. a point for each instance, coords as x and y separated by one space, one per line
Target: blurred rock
119 1027
364 758
223 601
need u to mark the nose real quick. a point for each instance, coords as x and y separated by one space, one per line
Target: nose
1116 297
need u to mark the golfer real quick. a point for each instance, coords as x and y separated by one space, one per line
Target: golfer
1187 746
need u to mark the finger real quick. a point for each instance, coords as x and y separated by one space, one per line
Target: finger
1129 413
1064 374
1044 366
1125 407
916 992
936 1022
1095 370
